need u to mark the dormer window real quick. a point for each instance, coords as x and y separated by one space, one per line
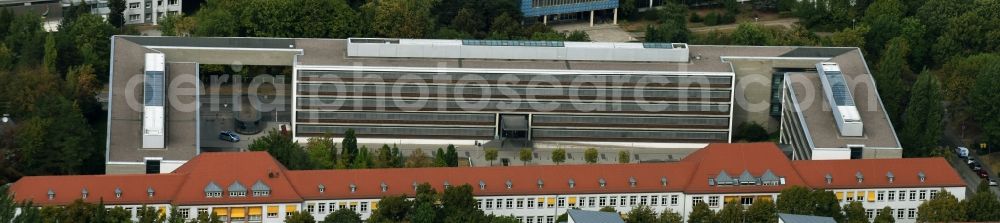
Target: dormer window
631 181
149 191
829 179
482 185
84 193
384 186
415 185
447 185
213 190
118 192
572 183
540 184
890 176
663 181
354 188
322 188
602 183
260 189
921 176
237 189
509 184
52 195
859 176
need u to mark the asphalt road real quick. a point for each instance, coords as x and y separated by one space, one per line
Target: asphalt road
971 178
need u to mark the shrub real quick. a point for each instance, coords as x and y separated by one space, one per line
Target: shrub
712 19
728 18
695 18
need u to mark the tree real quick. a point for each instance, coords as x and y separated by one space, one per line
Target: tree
418 158
458 205
922 124
854 212
451 155
299 217
983 205
959 77
342 216
669 216
504 27
383 157
942 208
283 148
363 160
116 16
983 100
884 16
322 152
424 213
578 35
885 216
590 155
468 21
849 37
49 62
731 6
177 25
731 212
440 158
891 70
558 156
391 209
491 155
525 155
750 34
826 204
402 18
627 9
641 214
669 31
762 211
350 146
751 132
623 157
701 214
206 218
794 200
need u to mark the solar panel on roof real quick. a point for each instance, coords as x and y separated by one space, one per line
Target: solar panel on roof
658 45
513 43
153 90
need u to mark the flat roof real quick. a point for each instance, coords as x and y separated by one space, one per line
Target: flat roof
184 52
819 120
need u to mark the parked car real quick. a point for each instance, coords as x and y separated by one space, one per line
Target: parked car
976 167
982 173
962 152
970 161
229 136
993 183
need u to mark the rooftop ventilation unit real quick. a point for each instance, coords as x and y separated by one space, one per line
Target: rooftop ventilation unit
153 95
517 50
839 96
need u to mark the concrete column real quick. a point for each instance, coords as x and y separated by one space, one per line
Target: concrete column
154 11
592 18
616 16
545 19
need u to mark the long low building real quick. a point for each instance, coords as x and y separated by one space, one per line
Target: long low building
253 187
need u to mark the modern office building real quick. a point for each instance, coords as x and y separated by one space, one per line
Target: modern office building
253 187
575 9
498 94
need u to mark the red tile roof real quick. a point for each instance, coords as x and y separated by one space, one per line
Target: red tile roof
185 186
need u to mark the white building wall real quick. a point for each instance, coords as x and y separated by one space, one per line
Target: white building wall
906 207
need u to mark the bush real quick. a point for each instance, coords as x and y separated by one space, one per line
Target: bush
751 132
712 19
786 14
651 15
695 18
728 18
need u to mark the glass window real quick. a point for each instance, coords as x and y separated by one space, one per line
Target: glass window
364 207
911 213
713 201
520 203
892 195
614 201
561 201
603 201
184 213
913 195
899 213
696 200
311 208
642 200
531 203
861 196
923 194
510 203
880 196
673 199
489 203
746 200
621 201
870 213
933 194
631 200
